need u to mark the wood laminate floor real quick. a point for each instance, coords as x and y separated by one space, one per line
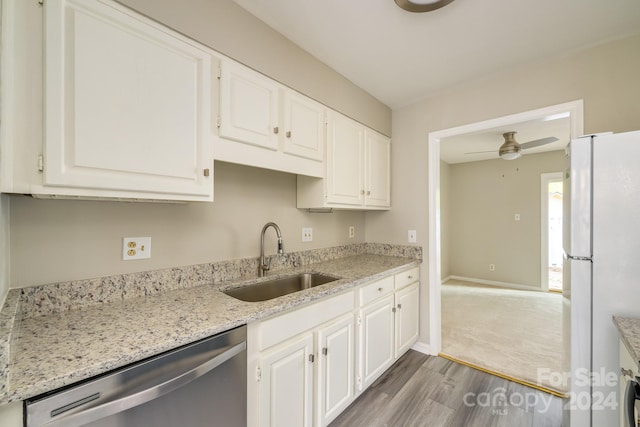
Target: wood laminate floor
422 390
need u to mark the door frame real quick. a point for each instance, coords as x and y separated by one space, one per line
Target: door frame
575 109
545 179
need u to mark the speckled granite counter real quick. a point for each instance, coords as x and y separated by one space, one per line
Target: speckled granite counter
58 348
630 334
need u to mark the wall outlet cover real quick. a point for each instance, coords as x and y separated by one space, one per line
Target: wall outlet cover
307 234
412 236
136 248
352 232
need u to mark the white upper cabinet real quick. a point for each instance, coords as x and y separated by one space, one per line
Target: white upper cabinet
345 162
248 106
304 126
127 105
265 124
358 169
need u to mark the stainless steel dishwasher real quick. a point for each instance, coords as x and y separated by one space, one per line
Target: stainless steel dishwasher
201 384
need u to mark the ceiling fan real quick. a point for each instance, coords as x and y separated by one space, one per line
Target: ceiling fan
512 149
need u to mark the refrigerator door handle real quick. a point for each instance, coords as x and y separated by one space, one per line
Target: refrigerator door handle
632 394
577 258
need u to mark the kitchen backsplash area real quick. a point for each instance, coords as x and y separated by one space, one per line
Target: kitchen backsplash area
56 297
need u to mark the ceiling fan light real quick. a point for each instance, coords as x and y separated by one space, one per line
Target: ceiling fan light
510 153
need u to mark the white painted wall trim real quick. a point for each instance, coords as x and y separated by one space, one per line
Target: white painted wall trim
498 284
446 279
423 348
545 178
576 120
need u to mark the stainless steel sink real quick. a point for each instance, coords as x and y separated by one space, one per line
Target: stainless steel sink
274 288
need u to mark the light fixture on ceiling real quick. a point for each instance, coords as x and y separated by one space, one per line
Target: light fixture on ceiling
510 150
422 5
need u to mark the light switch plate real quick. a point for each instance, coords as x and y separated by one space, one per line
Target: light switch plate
307 234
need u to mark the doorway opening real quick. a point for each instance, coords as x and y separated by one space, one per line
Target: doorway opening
551 247
573 109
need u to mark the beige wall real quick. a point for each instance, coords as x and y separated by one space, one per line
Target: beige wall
59 240
485 196
229 29
606 77
445 219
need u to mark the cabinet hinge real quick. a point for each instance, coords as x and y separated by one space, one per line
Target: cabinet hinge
258 374
40 163
218 121
219 73
359 320
359 381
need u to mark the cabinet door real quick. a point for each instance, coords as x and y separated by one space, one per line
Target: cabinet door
248 106
335 369
286 385
127 103
407 318
376 340
378 170
303 126
345 143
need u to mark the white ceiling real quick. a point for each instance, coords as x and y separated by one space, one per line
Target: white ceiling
400 57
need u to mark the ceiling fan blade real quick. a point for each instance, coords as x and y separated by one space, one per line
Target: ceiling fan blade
481 152
538 142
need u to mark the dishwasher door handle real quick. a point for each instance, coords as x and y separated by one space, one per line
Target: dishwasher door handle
136 399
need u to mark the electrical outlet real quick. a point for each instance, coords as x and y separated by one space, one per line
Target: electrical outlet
412 236
492 267
136 248
307 234
352 232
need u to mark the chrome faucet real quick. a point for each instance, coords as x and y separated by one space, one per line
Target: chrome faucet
265 265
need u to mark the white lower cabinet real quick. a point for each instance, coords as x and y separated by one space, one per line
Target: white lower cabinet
336 370
286 384
376 340
407 318
307 365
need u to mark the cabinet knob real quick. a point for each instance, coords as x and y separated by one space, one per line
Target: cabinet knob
288 134
409 277
276 130
399 306
380 289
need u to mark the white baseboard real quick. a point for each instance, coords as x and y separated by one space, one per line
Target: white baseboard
495 283
423 348
445 279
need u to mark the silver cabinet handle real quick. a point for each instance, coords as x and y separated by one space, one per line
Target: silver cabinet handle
325 351
288 134
138 398
312 358
276 130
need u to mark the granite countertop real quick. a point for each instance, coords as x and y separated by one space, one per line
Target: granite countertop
58 349
630 334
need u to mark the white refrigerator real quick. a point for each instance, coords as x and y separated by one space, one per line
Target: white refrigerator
601 269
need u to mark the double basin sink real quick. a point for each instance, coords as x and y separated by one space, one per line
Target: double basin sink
274 288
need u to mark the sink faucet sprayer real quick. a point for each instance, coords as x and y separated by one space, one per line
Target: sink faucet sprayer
265 265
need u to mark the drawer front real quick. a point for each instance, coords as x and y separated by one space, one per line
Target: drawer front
407 277
284 326
375 290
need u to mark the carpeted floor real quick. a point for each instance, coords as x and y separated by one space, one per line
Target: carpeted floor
511 332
